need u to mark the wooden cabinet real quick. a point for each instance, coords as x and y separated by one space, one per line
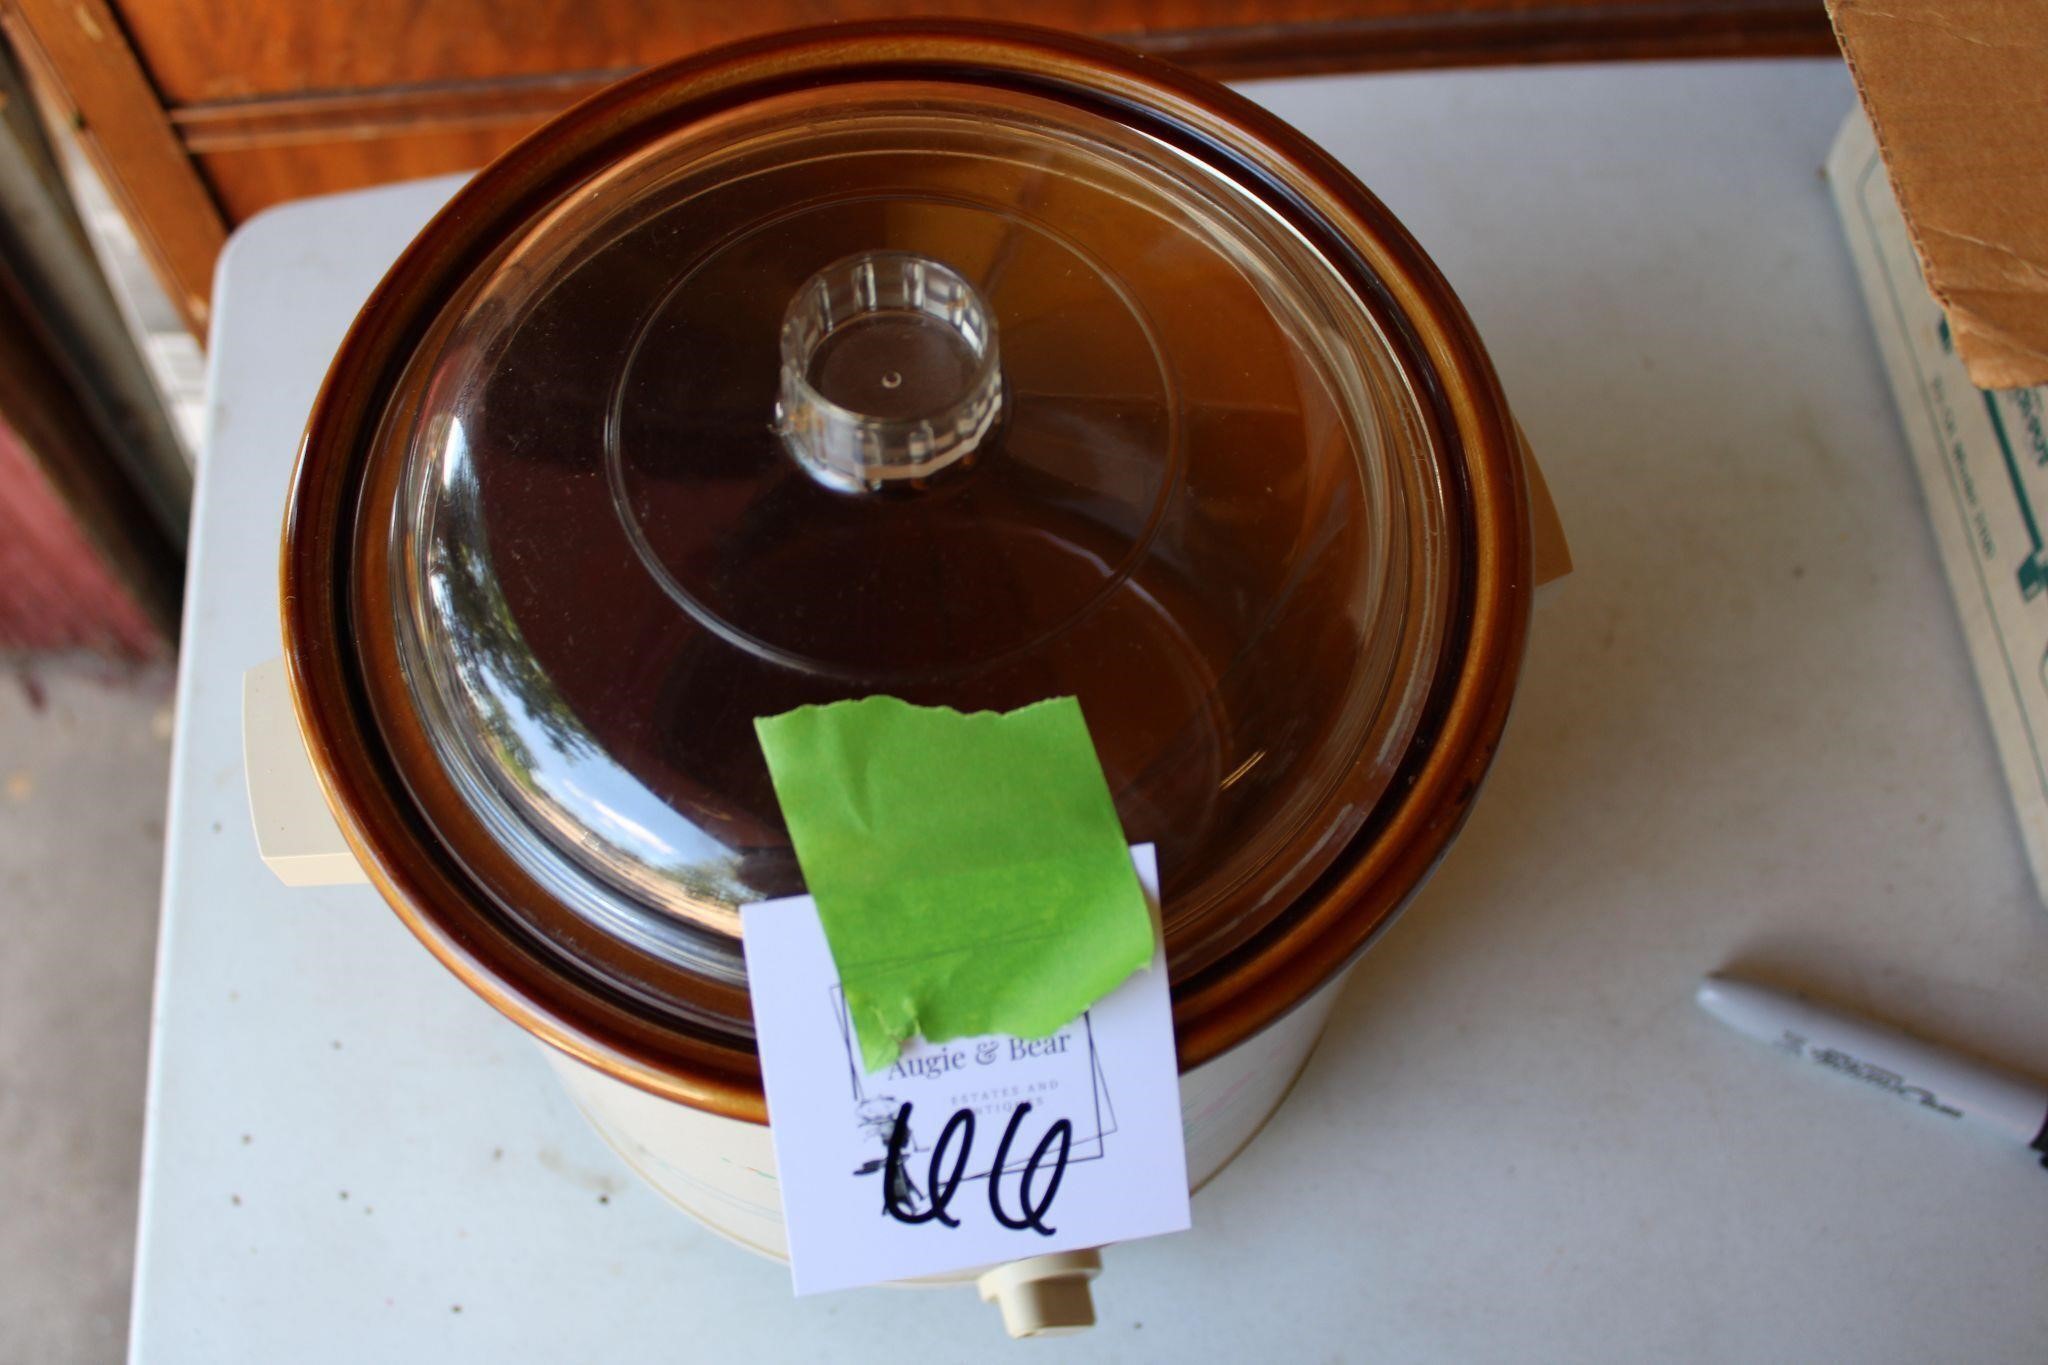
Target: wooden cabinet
201 113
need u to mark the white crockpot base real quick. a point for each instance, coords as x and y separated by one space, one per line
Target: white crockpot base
721 1171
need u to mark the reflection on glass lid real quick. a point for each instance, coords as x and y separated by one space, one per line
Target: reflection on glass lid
960 397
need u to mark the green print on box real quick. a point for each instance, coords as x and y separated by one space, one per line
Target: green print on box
2033 569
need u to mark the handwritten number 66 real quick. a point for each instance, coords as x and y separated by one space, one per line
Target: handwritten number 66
944 1181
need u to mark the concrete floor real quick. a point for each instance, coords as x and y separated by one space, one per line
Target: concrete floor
84 757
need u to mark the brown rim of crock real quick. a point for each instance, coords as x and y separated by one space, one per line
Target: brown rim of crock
440 899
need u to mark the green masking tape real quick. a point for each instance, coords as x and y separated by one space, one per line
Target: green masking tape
969 869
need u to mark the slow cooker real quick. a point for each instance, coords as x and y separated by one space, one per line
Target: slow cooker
968 364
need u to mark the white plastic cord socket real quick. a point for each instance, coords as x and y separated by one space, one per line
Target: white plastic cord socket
1044 1296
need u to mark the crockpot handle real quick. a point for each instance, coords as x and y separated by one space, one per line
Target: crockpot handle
295 832
1550 556
1044 1296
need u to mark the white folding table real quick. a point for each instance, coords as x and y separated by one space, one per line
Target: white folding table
1747 733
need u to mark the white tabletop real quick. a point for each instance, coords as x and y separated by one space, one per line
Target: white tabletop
1747 734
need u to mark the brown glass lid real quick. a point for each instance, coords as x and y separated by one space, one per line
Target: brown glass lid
937 372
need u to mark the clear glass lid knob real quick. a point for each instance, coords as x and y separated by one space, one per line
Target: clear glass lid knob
890 371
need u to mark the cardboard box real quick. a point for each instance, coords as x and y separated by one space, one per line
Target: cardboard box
1982 458
1957 93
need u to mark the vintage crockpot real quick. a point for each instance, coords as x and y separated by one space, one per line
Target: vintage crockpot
964 363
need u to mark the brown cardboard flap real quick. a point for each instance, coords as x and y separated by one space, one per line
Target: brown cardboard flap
1957 91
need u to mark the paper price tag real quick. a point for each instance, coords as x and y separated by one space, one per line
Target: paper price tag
966 1153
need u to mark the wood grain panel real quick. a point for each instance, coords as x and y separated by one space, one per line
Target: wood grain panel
515 102
1389 40
256 177
204 51
77 52
202 113
256 152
